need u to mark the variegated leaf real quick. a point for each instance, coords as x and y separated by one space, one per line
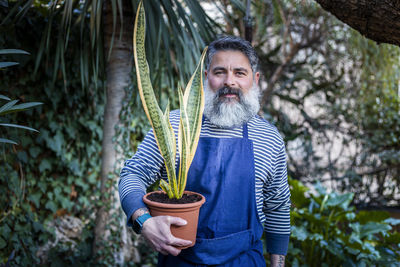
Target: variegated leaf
183 146
166 188
194 102
161 126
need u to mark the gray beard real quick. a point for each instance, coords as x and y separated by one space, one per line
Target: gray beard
231 113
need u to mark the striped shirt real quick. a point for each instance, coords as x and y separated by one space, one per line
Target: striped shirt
271 185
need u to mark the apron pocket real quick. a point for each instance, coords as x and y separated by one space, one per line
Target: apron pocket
218 250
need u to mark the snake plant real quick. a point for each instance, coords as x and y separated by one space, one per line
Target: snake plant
191 112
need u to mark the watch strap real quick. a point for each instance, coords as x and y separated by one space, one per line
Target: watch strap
138 223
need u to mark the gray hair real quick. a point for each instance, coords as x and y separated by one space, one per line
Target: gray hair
233 43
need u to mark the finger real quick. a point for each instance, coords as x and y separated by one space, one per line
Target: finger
177 221
172 250
180 242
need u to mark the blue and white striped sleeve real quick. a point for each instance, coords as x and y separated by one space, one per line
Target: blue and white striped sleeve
138 173
277 207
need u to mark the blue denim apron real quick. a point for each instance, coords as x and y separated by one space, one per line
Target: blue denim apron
229 229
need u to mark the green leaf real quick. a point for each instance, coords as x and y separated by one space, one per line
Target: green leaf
6 107
320 188
4 97
3 243
297 192
373 228
364 216
7 64
15 108
13 51
336 249
7 141
44 165
75 167
194 105
35 198
34 151
18 126
342 201
51 206
56 142
22 156
162 129
392 221
5 231
300 233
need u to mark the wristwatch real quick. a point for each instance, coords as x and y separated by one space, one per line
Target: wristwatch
138 223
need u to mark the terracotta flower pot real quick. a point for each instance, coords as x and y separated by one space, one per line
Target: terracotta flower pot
188 212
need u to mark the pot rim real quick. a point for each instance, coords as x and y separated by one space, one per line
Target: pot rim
175 206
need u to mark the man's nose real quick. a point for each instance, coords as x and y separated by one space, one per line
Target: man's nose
229 80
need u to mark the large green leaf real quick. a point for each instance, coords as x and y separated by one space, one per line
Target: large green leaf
12 51
7 141
7 64
183 138
11 107
18 126
191 108
6 107
373 228
163 131
194 105
297 192
342 201
364 216
4 97
299 233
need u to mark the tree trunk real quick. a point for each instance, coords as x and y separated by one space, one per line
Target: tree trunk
378 20
118 73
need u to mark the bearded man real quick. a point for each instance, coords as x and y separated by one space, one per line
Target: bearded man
239 166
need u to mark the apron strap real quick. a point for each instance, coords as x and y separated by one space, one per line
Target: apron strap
245 131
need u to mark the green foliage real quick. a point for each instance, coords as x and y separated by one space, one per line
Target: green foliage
376 110
11 106
328 231
176 26
17 221
53 172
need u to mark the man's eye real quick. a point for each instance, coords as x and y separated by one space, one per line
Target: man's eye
240 73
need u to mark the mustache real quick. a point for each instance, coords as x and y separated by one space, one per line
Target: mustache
229 90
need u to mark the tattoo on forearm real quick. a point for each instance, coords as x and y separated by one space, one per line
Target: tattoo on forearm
277 260
281 261
139 212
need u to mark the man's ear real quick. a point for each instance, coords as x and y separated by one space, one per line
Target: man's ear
205 74
257 77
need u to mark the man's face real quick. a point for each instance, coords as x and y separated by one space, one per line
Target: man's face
231 69
231 90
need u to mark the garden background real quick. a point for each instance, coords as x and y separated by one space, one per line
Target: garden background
66 70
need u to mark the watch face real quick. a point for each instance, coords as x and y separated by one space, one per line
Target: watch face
136 227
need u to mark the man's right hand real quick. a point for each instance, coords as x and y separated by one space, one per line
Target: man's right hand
157 232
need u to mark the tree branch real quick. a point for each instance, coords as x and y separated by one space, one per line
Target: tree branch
378 20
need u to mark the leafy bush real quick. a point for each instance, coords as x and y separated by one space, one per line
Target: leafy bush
328 231
18 224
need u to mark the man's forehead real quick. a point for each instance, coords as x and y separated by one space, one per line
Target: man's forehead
233 58
219 67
